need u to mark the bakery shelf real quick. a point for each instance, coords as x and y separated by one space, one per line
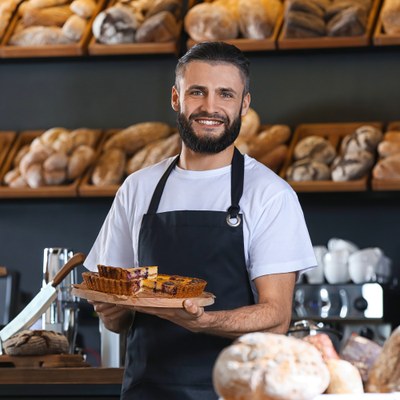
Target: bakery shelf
60 50
6 140
66 190
252 44
380 38
332 42
100 49
387 184
334 132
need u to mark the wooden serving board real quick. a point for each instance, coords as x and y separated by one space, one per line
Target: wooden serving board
43 361
143 299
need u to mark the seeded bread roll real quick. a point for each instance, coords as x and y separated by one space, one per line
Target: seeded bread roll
315 147
268 366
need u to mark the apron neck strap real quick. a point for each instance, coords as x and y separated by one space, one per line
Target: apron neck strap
237 176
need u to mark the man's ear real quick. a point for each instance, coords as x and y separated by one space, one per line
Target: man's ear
246 104
175 99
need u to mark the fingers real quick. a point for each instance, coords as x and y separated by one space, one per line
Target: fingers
193 309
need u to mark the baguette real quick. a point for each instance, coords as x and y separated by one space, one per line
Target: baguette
137 136
268 139
80 159
110 168
275 158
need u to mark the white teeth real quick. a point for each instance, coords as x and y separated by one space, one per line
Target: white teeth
208 122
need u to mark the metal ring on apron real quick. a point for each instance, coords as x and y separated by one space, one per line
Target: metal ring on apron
237 220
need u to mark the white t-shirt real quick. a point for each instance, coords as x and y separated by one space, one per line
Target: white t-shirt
276 238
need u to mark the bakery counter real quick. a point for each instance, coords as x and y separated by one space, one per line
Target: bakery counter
74 383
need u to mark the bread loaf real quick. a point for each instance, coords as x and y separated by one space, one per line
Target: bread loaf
39 36
352 166
308 170
83 8
52 16
260 366
55 161
78 162
392 136
351 21
137 136
344 378
172 6
250 124
275 158
316 148
387 168
208 21
55 177
74 28
136 161
34 176
36 342
384 375
388 148
390 16
268 139
365 137
109 169
161 27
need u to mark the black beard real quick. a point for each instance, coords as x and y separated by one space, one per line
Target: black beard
208 145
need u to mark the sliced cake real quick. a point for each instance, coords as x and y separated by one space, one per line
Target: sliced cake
126 287
175 286
110 272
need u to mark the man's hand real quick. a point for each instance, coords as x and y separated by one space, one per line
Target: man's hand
115 318
191 316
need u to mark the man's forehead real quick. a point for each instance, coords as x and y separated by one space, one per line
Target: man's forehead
200 70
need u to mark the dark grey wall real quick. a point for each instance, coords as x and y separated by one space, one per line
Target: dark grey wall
287 87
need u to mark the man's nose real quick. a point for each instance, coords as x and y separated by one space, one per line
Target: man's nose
209 104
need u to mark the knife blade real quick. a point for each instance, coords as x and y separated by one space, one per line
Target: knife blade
40 302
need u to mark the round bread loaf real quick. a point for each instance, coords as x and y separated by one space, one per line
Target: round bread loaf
345 378
365 137
308 170
315 147
36 342
268 366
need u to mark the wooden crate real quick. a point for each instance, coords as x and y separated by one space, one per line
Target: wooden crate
100 49
380 38
6 140
86 187
334 132
243 44
332 42
65 190
387 184
59 50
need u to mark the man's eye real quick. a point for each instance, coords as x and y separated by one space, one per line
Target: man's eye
227 95
196 92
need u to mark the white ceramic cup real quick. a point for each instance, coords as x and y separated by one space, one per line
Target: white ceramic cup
336 266
363 264
316 275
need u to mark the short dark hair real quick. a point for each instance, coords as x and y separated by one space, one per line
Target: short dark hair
216 52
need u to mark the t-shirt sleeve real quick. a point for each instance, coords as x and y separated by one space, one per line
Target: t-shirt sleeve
280 241
113 245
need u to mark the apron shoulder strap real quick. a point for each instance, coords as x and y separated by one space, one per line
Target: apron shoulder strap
237 178
155 200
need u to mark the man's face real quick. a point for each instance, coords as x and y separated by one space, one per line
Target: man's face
210 104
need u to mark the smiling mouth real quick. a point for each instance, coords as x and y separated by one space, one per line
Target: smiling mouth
209 122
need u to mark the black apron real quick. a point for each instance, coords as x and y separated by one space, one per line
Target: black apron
165 361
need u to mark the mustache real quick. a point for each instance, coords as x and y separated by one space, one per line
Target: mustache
204 114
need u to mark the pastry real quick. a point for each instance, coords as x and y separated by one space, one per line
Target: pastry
175 286
269 366
107 271
126 287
